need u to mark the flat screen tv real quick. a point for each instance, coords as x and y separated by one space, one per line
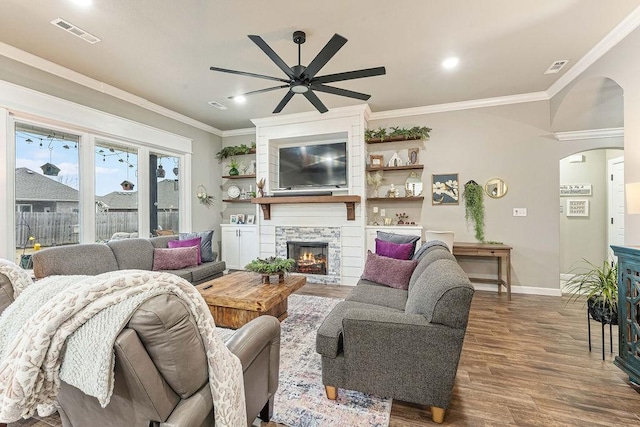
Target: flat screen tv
313 166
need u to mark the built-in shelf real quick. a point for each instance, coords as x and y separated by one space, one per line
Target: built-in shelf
395 199
239 176
395 168
236 200
266 202
392 139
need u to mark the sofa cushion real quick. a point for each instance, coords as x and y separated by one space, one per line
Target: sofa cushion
133 254
399 238
441 288
329 337
88 259
195 242
206 248
388 271
428 247
175 259
379 295
427 257
6 292
394 250
206 270
185 273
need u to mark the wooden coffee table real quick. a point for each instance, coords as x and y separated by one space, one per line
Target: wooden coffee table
237 298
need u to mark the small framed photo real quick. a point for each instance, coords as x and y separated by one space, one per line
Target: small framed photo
376 160
240 218
444 189
413 155
251 219
233 219
577 207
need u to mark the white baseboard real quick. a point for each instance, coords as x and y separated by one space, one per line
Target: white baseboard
530 290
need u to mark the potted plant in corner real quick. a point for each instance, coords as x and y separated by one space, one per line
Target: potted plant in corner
271 266
599 285
233 167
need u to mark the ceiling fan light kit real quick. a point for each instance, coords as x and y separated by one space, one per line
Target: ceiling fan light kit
303 80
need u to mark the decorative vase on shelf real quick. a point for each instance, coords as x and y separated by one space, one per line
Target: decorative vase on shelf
234 171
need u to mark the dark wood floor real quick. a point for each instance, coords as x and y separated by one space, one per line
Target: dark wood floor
525 362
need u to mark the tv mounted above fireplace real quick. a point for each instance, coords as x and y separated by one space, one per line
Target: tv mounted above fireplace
320 166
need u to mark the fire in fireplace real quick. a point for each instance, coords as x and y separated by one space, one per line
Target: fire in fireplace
310 257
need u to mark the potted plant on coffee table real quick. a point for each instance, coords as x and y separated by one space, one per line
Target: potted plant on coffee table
270 267
599 285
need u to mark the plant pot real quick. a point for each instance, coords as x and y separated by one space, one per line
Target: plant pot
602 312
234 171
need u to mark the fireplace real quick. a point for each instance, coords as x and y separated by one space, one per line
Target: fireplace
310 257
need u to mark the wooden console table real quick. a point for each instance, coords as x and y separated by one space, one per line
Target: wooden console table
488 250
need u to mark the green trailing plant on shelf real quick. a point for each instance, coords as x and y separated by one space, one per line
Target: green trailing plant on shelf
474 207
234 150
599 286
380 133
416 132
368 134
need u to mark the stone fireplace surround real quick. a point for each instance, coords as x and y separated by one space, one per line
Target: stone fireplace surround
330 235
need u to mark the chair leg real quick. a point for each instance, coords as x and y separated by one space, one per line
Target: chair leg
332 392
611 336
589 328
603 341
437 414
267 411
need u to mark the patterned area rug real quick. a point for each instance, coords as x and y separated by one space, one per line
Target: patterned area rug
300 400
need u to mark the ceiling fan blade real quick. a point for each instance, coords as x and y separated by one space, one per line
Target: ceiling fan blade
350 75
284 102
341 92
244 73
327 52
269 89
313 98
272 55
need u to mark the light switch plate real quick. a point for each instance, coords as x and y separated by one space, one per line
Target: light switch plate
519 211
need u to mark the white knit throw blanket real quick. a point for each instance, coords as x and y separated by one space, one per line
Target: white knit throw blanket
19 278
30 368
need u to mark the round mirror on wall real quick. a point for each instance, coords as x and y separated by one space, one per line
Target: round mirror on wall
496 188
413 185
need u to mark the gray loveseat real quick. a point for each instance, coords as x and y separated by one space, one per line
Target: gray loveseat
403 344
97 258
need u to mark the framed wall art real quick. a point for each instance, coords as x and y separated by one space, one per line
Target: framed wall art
444 189
376 160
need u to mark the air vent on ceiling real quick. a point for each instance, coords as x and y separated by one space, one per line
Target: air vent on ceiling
76 31
217 105
556 66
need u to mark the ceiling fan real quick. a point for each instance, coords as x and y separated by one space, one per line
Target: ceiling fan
303 79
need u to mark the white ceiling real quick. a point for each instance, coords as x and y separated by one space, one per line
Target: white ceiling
161 50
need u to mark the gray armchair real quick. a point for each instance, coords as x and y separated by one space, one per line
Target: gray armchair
376 343
161 374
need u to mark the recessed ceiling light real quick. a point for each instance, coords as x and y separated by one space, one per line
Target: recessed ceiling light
240 99
450 63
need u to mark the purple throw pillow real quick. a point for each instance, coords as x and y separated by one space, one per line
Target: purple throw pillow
175 259
394 273
394 250
186 243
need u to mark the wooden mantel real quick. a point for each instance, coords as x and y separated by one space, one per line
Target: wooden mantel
266 202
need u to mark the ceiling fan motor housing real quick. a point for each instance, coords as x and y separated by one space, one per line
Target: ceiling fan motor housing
299 37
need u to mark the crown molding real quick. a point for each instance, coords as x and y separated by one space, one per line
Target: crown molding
75 77
622 30
590 134
237 132
463 105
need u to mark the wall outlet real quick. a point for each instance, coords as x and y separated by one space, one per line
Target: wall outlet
519 211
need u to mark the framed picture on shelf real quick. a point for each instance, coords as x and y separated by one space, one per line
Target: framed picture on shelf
240 218
251 219
376 160
233 219
413 156
444 189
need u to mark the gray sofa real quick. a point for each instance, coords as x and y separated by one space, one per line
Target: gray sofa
402 344
97 258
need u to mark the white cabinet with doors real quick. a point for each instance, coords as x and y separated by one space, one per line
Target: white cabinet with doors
239 245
